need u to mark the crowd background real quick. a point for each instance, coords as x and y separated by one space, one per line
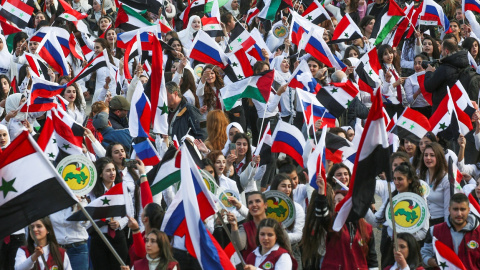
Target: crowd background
224 142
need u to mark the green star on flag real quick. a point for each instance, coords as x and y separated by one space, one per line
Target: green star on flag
348 103
443 126
334 90
412 126
51 155
239 39
309 18
370 72
66 146
106 201
240 76
21 14
163 108
66 16
13 10
7 186
404 122
234 64
443 265
346 35
212 27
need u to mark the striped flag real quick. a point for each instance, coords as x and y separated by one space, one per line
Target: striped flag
7 28
302 78
158 92
69 13
146 152
41 96
129 19
337 98
211 25
387 21
313 110
316 13
38 66
51 51
239 66
17 12
317 162
421 84
140 114
206 50
346 30
47 141
318 48
251 15
268 8
412 125
240 37
288 139
193 7
68 132
167 175
367 71
446 257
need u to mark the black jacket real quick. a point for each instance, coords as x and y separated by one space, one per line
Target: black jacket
117 122
188 117
445 75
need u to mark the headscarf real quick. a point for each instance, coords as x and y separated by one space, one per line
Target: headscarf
227 144
5 56
228 6
277 61
186 36
13 103
3 127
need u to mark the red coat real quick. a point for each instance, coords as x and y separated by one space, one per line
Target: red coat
251 231
50 262
272 259
143 265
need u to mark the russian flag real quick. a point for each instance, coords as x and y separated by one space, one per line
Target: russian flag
140 114
313 110
433 12
300 26
146 152
45 89
50 50
288 139
256 52
317 162
302 78
316 46
473 5
206 50
61 35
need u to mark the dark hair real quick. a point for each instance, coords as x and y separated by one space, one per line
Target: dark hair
364 22
104 43
467 44
212 157
209 94
421 55
417 156
262 197
188 83
172 87
258 66
286 165
100 164
166 253
450 45
17 38
337 130
459 198
155 214
382 49
282 240
351 48
78 101
226 17
279 178
408 170
440 166
248 155
436 50
413 259
333 169
169 53
53 245
399 154
2 95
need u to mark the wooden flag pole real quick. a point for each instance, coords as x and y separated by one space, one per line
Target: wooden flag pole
230 237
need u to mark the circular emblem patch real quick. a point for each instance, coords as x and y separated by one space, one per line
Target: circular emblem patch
223 197
198 70
55 267
267 265
280 207
79 173
209 181
280 31
410 211
472 244
424 188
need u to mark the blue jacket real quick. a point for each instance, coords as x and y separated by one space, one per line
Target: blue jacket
111 135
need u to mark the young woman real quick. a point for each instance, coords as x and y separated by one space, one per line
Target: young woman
4 137
273 251
28 257
219 165
351 8
96 108
217 122
208 90
433 170
4 92
392 83
342 173
352 51
171 56
407 257
183 77
429 47
5 56
103 25
412 88
472 46
159 253
455 27
244 165
111 37
73 95
232 129
418 156
366 25
299 191
102 78
186 35
410 146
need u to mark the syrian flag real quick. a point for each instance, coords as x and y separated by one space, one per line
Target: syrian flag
317 162
421 84
251 15
446 257
264 148
461 98
240 37
386 21
158 92
346 30
75 48
193 7
268 8
372 158
239 66
69 13
116 202
206 50
7 28
27 190
38 66
47 141
412 125
97 62
211 25
316 13
337 98
129 19
256 87
335 146
68 132
133 50
124 38
474 206
313 110
16 12
302 78
288 139
167 175
367 71
401 30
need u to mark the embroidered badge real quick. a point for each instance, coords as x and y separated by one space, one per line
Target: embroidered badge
472 244
361 242
268 265
54 267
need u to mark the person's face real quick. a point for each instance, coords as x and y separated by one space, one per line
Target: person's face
401 182
474 49
350 134
177 46
358 42
70 94
403 248
477 188
209 169
151 246
314 67
39 18
397 161
211 76
256 206
423 143
167 38
387 57
175 66
459 14
294 176
285 186
5 85
429 158
118 154
220 164
454 28
20 43
230 25
242 147
103 23
196 24
409 147
4 138
338 198
98 48
285 65
459 213
428 46
96 6
417 64
325 36
353 53
144 80
369 27
172 100
267 238
342 175
32 46
232 132
111 37
235 5
39 230
108 173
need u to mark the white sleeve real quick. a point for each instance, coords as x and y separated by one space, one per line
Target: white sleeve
123 222
476 136
200 89
243 211
468 168
66 262
272 103
296 235
418 48
284 262
247 175
22 262
176 77
131 88
98 149
409 90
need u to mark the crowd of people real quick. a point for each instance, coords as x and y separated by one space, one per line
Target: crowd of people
224 142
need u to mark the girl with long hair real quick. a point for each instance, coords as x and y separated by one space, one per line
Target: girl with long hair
407 257
472 46
412 88
392 82
74 108
217 123
341 172
178 53
101 78
219 165
28 257
244 165
429 47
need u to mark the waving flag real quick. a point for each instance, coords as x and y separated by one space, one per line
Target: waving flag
97 62
346 30
316 13
211 25
317 162
256 50
134 49
289 140
251 15
337 98
17 12
412 125
302 78
158 92
38 66
299 27
69 133
75 48
47 141
432 13
372 158
389 18
421 84
51 51
313 110
146 152
193 7
240 37
69 13
316 46
473 5
206 50
62 36
461 98
446 257
167 175
140 114
474 206
124 38
367 71
41 97
7 28
269 8
129 19
239 66
335 147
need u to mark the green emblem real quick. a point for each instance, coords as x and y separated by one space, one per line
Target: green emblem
106 201
412 126
7 186
443 126
164 108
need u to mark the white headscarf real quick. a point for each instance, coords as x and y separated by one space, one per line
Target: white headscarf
277 61
227 144
13 103
5 56
3 127
186 36
228 6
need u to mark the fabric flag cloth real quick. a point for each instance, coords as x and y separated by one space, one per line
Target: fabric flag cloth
206 50
75 48
335 147
47 141
314 111
164 25
149 5
337 98
38 66
167 175
61 35
124 38
346 30
132 51
20 187
251 15
98 62
389 18
421 84
288 139
473 5
140 114
411 125
239 66
256 87
16 12
7 28
41 97
264 148
193 8
145 151
211 25
317 162
51 51
69 13
240 37
316 13
316 46
302 78
368 70
158 92
256 50
300 28
461 98
474 205
446 257
116 202
372 158
129 19
270 7
432 14
69 133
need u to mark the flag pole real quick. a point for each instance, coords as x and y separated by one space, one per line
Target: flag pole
97 229
394 227
340 183
263 120
230 237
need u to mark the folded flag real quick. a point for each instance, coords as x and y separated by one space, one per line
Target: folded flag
256 87
240 37
206 50
474 205
313 110
301 26
461 98
51 51
251 15
140 114
446 257
167 175
75 48
116 202
367 71
256 50
317 162
68 132
123 39
289 140
40 99
421 84
316 46
129 19
20 187
411 125
146 151
346 30
16 12
302 78
316 13
239 66
335 147
386 21
47 141
158 92
38 66
337 98
7 28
